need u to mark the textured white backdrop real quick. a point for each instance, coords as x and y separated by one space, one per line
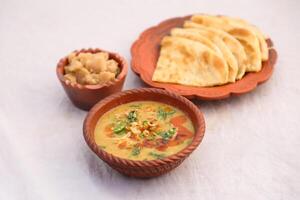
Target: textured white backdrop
252 143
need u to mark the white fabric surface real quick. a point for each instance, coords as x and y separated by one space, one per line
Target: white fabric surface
251 149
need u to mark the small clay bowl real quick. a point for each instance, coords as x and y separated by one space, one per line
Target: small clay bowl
85 96
144 169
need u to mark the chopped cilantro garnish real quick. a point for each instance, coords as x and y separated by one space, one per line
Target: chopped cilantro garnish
166 135
132 116
136 151
162 114
142 135
150 137
157 155
119 127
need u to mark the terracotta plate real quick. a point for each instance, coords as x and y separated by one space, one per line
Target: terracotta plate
145 53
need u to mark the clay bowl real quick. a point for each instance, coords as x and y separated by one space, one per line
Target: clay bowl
144 169
145 53
85 96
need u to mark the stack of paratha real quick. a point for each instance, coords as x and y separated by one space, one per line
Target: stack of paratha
210 50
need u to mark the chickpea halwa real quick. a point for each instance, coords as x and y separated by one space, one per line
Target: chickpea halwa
91 68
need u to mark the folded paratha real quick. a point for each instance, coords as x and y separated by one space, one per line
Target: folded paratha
244 35
262 39
196 34
187 62
180 32
232 44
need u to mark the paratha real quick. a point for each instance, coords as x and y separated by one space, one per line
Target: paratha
233 44
180 32
244 35
197 35
184 61
262 39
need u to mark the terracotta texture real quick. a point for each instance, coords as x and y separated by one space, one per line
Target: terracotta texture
85 96
145 53
151 168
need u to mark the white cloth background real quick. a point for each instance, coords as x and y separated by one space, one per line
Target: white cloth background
252 143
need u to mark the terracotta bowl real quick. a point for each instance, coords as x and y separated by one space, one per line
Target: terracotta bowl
145 53
151 168
85 96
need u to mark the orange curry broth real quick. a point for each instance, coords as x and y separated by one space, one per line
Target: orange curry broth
118 145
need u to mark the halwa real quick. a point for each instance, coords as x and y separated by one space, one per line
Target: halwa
91 68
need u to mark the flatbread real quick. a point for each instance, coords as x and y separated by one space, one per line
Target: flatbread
260 36
243 34
197 35
232 44
180 32
184 61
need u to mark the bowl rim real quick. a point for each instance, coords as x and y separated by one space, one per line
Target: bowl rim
121 60
110 158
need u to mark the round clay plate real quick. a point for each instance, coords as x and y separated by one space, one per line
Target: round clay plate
145 53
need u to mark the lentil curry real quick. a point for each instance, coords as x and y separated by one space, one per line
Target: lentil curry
144 130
